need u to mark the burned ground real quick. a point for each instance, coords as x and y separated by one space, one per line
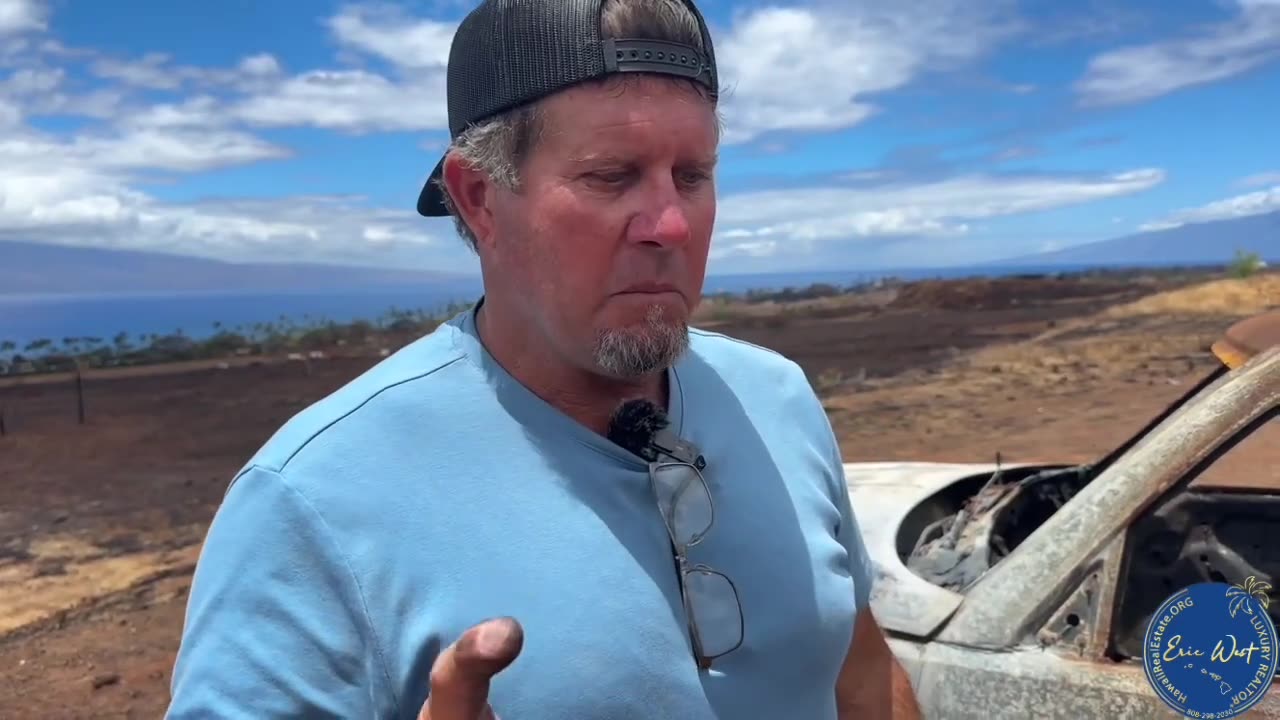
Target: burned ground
101 522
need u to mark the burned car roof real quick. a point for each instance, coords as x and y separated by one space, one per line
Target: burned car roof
1247 338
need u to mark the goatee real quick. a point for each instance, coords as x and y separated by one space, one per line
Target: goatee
635 351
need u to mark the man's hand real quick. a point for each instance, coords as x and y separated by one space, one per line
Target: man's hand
461 674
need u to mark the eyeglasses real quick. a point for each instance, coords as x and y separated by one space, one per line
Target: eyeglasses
710 598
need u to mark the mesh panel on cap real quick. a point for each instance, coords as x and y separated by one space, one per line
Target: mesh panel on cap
510 52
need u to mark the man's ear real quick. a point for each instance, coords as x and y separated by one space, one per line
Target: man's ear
470 191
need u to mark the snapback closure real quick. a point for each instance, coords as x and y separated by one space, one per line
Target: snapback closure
658 56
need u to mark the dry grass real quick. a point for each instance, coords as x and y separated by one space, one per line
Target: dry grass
713 310
1233 296
1110 351
66 572
1170 330
1151 348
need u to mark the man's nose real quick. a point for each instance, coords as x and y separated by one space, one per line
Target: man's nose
663 220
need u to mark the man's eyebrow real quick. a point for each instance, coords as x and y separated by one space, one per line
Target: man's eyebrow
707 162
587 157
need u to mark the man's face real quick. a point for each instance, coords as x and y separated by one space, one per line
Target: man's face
608 235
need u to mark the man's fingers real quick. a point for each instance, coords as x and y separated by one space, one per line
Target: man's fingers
461 674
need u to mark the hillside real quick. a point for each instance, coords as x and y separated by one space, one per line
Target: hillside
35 268
1193 244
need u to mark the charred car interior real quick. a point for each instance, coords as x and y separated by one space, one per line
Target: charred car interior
964 530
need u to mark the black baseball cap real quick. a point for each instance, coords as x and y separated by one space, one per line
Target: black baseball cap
507 53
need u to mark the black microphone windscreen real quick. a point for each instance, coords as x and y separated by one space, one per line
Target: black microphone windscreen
634 425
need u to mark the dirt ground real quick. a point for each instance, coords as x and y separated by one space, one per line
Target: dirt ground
100 523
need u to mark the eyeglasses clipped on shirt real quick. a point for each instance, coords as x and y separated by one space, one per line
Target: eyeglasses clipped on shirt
710 598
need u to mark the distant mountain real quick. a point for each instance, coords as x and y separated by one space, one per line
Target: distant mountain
1206 243
36 268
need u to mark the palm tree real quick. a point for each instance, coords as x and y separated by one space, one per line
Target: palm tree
36 346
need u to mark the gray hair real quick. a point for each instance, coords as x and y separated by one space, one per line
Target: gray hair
498 146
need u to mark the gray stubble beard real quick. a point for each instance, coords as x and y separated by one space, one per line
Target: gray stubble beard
633 352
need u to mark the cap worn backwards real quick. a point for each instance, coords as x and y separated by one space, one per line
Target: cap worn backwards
507 53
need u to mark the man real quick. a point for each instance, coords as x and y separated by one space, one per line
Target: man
458 533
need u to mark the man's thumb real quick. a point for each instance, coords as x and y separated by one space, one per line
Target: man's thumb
461 674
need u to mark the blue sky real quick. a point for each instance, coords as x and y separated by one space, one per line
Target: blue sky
862 134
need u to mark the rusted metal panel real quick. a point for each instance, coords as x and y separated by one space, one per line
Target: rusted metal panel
1248 338
958 683
1110 574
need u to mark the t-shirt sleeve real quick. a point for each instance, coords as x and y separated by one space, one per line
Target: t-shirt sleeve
861 568
275 625
850 535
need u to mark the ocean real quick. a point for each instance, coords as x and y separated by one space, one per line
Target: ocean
24 318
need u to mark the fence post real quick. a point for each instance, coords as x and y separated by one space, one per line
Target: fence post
79 393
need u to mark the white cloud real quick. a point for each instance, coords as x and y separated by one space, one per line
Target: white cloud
361 100
350 100
31 81
182 150
815 68
10 114
194 112
1213 52
315 228
99 104
1254 203
82 192
43 90
1089 20
774 78
157 71
149 71
776 81
942 208
84 187
17 16
260 65
1262 179
387 33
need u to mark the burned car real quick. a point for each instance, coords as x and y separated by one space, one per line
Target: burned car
1017 591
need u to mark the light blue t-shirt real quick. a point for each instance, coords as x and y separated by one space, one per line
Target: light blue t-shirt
435 491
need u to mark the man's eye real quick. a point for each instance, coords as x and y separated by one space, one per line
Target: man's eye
692 178
610 177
